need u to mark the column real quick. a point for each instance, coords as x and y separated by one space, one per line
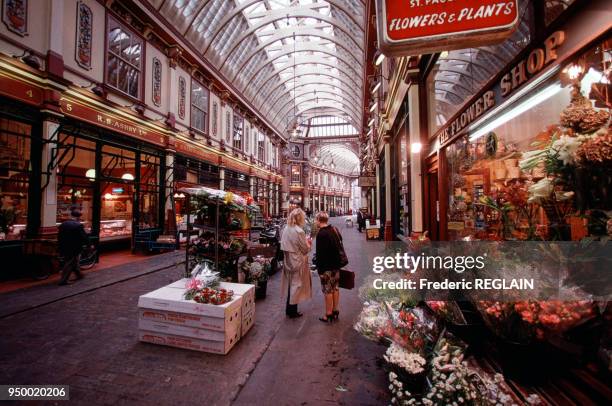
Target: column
54 58
48 206
416 177
222 178
252 186
170 219
387 197
377 197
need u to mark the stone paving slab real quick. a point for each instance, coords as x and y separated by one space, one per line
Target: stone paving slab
30 298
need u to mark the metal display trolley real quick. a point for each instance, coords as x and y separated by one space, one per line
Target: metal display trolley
203 210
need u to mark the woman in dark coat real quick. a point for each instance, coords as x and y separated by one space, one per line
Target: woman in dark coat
328 265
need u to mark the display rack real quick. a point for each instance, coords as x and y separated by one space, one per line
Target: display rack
198 198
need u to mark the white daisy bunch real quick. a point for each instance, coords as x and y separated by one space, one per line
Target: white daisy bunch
412 362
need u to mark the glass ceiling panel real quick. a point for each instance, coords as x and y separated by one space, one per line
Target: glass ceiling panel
256 43
336 157
459 74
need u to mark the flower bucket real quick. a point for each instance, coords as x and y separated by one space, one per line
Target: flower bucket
261 290
414 383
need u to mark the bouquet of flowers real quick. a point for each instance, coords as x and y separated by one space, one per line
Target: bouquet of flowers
213 296
414 329
372 321
447 310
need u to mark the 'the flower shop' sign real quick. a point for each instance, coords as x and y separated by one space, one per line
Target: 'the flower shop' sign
413 27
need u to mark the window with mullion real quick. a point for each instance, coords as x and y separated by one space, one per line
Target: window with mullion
199 106
238 130
124 59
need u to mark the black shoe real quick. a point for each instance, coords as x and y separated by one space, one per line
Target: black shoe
335 314
295 315
327 319
63 283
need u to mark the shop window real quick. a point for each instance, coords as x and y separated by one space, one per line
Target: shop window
274 157
14 178
118 163
148 202
199 106
124 59
525 174
75 181
237 132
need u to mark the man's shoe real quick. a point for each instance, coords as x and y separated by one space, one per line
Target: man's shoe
295 316
63 283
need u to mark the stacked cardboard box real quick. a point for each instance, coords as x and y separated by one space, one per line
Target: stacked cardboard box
165 317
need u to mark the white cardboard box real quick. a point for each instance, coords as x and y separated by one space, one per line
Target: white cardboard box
233 333
214 317
247 292
189 343
248 321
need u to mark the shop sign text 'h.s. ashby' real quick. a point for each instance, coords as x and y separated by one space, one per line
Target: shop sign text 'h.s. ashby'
413 27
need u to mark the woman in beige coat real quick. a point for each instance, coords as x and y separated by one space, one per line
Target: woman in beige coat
296 272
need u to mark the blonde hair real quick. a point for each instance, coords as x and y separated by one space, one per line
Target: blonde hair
323 217
296 218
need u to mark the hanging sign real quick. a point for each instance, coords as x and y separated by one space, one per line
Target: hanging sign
414 27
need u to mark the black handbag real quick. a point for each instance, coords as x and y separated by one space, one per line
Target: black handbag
347 279
343 259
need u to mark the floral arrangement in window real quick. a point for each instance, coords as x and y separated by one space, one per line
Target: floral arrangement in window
579 150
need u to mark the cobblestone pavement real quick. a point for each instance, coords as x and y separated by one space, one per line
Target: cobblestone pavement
88 340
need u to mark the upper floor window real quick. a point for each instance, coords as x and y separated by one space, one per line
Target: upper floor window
238 128
296 175
274 157
124 59
199 106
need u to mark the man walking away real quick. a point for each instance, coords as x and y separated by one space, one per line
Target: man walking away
359 220
71 239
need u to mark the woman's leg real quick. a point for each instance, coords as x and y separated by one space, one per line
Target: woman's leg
336 300
329 304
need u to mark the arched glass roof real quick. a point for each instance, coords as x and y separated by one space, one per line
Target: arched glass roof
337 157
459 74
289 58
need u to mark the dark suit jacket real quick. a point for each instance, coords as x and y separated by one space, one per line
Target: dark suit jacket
71 238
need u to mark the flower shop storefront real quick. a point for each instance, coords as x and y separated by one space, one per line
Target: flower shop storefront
529 158
520 151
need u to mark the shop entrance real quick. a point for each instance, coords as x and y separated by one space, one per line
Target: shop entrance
432 199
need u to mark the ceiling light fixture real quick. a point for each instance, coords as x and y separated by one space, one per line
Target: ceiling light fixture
379 57
376 87
373 107
416 147
371 122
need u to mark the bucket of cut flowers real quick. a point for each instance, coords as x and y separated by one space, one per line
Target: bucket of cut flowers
407 368
256 271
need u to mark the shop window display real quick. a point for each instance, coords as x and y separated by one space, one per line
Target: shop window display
541 168
75 179
148 208
14 174
117 207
